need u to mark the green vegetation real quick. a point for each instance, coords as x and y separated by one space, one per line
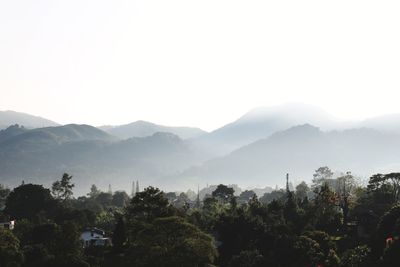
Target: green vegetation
336 223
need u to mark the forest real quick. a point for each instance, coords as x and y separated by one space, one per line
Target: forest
335 221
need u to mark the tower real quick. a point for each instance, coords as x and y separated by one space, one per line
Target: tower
137 187
109 189
198 197
287 183
133 193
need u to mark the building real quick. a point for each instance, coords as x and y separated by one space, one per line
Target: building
8 224
94 237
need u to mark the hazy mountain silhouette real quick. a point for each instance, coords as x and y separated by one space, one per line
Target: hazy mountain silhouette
144 128
91 155
262 122
300 150
258 149
8 118
388 123
11 131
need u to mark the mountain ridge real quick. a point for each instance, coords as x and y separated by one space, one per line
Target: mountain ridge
142 128
9 117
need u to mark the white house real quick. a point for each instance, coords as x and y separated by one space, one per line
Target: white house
94 237
8 225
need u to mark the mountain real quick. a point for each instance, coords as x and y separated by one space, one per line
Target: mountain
388 123
300 150
144 128
8 118
44 138
92 156
262 122
11 131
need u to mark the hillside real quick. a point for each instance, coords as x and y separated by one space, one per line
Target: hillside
300 150
92 156
144 128
260 123
8 118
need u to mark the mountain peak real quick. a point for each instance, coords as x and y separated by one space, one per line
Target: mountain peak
300 112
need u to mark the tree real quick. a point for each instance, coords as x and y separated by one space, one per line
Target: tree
182 201
307 252
302 190
394 180
386 185
315 249
322 175
171 196
10 253
119 235
274 195
344 189
172 241
325 214
3 196
28 201
248 258
357 257
120 199
94 192
149 205
63 189
67 248
104 199
223 193
291 210
389 225
391 255
144 208
245 196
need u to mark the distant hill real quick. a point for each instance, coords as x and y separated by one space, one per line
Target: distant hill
92 156
8 118
258 149
300 150
260 123
388 123
11 131
144 128
44 138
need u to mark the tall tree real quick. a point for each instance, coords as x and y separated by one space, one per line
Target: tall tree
344 189
321 176
62 189
94 192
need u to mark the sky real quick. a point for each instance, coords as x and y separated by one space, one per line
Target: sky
197 63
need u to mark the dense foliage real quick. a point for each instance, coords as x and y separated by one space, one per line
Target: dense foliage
334 222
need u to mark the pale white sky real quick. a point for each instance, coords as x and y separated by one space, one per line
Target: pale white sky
199 63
